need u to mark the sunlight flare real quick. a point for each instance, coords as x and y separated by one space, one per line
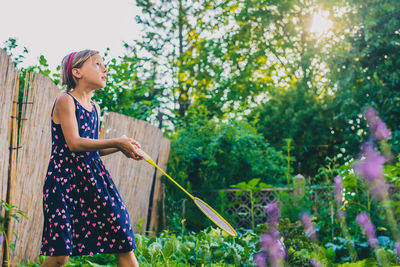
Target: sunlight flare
320 22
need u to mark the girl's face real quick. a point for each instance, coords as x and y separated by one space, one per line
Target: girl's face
93 73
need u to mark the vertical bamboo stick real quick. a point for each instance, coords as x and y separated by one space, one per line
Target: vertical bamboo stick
12 162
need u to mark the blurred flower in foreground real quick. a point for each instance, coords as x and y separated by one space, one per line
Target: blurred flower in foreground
272 245
338 190
274 213
315 263
377 127
397 246
368 228
260 260
270 242
371 169
338 195
308 226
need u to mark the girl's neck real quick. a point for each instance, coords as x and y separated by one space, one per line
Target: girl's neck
84 96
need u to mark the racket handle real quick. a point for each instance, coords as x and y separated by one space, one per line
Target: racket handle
140 151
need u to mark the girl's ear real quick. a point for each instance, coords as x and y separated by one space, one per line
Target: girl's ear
76 73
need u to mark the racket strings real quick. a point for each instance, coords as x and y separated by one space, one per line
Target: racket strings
215 217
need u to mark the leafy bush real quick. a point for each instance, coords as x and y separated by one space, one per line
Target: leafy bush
210 247
207 156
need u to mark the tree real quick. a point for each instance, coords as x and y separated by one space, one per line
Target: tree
366 69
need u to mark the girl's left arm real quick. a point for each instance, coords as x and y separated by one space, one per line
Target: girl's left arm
107 151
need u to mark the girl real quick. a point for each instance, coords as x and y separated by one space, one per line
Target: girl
84 213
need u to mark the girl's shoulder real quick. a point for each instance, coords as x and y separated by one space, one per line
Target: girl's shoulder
64 102
63 106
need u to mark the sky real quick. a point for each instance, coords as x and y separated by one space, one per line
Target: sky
55 28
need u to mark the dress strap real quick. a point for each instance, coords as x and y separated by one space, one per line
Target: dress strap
52 109
72 96
94 106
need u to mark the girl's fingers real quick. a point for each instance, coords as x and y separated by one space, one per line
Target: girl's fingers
135 142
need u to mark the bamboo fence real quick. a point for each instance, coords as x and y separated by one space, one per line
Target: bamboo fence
23 168
8 90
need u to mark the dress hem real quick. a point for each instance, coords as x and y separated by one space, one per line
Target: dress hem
88 253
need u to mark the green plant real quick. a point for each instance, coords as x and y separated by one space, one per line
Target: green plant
11 211
289 159
253 186
209 247
139 225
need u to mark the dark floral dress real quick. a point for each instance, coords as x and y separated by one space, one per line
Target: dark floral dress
84 213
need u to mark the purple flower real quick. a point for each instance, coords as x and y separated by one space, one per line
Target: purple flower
371 169
273 214
371 116
270 242
273 246
338 190
308 226
2 238
368 228
381 131
260 259
397 245
377 127
315 263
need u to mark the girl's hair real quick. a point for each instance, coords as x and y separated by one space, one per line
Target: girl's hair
76 62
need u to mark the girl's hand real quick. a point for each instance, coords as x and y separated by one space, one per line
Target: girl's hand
129 146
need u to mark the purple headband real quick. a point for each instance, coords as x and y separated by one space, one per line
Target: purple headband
69 64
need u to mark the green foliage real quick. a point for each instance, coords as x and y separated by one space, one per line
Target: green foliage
140 225
365 68
209 247
297 243
207 156
253 186
10 45
206 247
99 260
292 205
12 49
300 116
11 212
363 263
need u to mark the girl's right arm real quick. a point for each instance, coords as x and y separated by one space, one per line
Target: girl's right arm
65 109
